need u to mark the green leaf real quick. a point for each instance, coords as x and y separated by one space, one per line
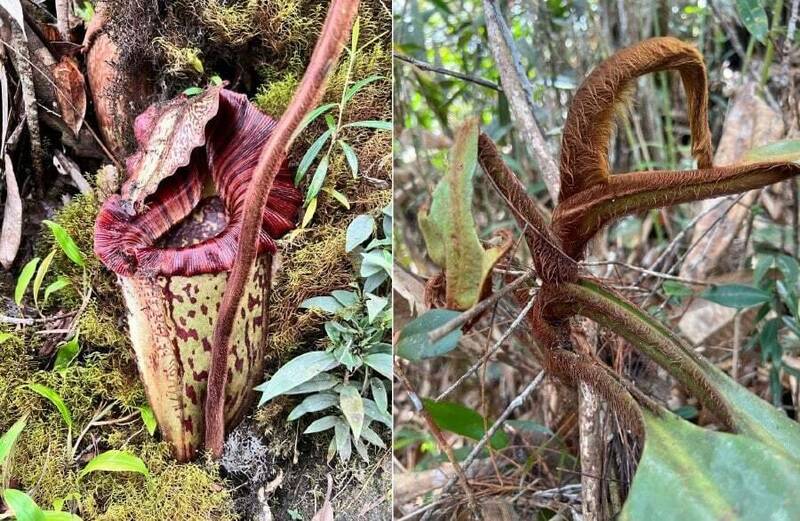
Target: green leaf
321 382
352 406
66 353
350 155
381 362
115 461
325 303
754 18
372 437
342 438
674 288
359 230
715 475
449 229
148 418
85 11
323 424
309 214
788 150
310 155
313 115
379 393
456 418
314 403
22 506
295 372
370 123
60 283
414 342
192 91
345 298
375 305
24 279
337 195
40 274
55 399
318 179
736 296
65 241
360 84
9 438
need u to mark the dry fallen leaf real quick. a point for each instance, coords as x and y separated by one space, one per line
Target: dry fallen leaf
70 92
12 218
326 512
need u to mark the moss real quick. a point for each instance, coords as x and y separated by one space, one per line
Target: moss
181 59
273 98
102 329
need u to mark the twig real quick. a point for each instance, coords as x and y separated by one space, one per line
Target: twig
646 271
517 321
442 331
518 90
440 440
447 72
515 403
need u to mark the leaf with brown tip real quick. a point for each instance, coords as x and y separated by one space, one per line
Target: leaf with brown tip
449 229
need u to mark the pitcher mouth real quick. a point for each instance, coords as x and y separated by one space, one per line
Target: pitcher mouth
156 226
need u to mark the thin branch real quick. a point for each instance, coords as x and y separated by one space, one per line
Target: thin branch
443 330
649 272
517 321
440 439
447 72
518 90
515 404
335 31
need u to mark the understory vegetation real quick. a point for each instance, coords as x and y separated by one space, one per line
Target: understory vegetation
508 404
69 390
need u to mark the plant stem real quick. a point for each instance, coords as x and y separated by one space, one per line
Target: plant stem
335 30
773 33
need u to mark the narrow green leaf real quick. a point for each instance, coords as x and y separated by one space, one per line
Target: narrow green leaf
379 393
375 305
192 91
321 382
342 437
787 150
65 241
60 283
370 123
350 155
40 274
359 230
736 296
115 461
314 403
9 438
148 418
24 279
66 353
312 116
337 195
360 84
414 342
295 372
352 406
310 155
22 506
323 424
55 399
318 179
462 420
311 209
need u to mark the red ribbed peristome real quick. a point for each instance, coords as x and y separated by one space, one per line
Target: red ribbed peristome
127 240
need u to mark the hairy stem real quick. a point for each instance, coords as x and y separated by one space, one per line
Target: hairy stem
589 299
589 124
335 31
577 219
